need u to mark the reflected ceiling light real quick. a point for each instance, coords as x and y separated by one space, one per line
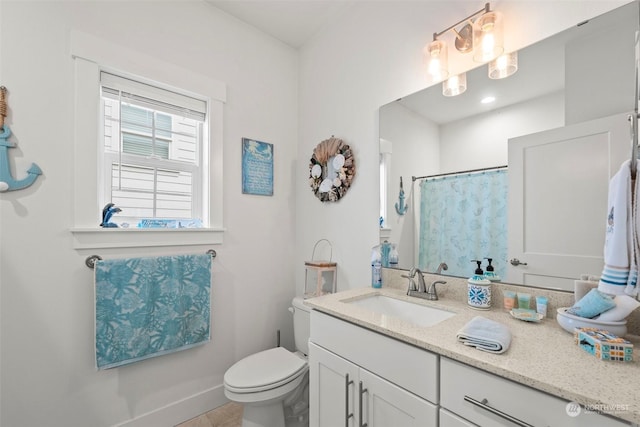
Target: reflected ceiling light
487 99
503 66
484 37
455 85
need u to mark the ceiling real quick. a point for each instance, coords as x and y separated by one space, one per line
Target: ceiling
293 22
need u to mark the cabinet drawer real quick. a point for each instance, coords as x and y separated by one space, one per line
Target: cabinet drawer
447 419
463 390
414 369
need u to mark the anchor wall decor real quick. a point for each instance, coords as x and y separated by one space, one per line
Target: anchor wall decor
401 207
7 181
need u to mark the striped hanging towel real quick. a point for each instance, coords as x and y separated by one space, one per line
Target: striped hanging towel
146 307
620 267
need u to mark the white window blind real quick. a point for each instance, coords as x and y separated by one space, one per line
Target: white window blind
153 151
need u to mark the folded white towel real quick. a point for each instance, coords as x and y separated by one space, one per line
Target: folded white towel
485 334
624 306
619 245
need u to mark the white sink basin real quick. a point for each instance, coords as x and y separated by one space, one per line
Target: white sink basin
414 313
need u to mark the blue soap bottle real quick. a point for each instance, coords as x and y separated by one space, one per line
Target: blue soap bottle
479 289
490 274
376 267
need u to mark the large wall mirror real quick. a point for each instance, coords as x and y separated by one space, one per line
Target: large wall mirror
579 76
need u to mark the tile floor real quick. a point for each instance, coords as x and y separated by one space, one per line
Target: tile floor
229 415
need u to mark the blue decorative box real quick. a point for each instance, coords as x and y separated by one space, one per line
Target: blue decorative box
604 345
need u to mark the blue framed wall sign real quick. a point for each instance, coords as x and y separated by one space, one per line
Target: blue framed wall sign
257 167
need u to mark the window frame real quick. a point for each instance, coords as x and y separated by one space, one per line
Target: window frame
90 55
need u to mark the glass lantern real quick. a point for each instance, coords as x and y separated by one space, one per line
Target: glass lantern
320 276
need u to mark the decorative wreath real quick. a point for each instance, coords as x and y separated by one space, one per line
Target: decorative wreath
331 170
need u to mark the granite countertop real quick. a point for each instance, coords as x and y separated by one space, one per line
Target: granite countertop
541 355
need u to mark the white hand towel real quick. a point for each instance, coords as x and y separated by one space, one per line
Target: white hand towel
485 334
618 246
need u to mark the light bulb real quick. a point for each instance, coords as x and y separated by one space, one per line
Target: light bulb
488 44
436 56
488 37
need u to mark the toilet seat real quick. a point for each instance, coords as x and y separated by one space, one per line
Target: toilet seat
263 371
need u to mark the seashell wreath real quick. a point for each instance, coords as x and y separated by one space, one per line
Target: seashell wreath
331 170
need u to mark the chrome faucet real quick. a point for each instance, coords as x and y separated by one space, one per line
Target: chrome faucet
442 266
422 287
432 293
422 291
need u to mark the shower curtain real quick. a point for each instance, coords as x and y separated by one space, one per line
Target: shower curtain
463 217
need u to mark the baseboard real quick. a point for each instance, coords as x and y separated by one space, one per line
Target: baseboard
181 410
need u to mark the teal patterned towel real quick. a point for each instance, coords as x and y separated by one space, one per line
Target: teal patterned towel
148 307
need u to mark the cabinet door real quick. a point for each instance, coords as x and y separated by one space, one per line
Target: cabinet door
384 404
333 384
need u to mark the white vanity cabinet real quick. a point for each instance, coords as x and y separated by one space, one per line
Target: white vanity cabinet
361 378
487 400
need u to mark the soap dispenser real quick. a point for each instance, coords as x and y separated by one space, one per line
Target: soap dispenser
479 289
393 256
376 267
490 274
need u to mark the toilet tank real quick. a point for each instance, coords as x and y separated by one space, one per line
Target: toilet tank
301 325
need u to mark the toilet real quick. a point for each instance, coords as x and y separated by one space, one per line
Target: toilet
268 382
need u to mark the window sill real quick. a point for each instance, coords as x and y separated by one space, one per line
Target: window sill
101 238
385 233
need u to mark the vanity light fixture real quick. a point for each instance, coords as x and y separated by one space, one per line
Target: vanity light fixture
455 85
482 36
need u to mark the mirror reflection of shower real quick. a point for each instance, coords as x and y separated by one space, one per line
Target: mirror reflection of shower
434 134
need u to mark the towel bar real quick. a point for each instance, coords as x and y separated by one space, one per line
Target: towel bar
90 261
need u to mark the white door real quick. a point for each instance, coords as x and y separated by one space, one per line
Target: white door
385 404
333 386
558 189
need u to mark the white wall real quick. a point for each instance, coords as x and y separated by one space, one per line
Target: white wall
416 152
365 59
481 141
47 362
606 54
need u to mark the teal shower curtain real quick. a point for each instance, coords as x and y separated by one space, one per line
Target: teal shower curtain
464 217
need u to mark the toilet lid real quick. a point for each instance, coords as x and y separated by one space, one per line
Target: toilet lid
264 370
